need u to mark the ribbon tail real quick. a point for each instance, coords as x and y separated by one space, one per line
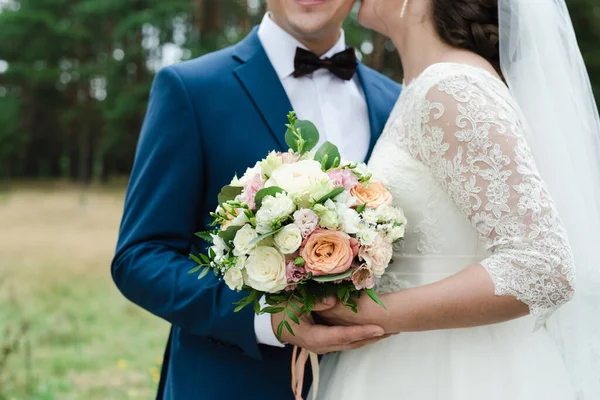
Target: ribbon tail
298 368
314 363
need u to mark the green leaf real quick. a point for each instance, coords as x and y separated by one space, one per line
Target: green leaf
270 191
211 253
204 258
292 316
279 330
329 156
229 193
256 307
331 278
375 298
195 269
335 192
289 327
196 259
206 236
204 273
263 237
272 310
299 262
229 234
360 209
295 306
246 301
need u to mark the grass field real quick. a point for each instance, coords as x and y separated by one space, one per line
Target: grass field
84 340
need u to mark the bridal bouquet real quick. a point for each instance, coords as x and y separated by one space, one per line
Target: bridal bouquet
301 226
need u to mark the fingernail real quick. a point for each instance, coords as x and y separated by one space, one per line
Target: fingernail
325 300
378 333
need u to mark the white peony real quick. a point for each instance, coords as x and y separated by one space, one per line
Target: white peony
248 176
270 164
304 181
241 242
288 239
265 270
273 208
220 248
234 278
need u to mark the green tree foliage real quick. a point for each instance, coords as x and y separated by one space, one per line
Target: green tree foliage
75 74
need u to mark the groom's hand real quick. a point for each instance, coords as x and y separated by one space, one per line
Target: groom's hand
322 339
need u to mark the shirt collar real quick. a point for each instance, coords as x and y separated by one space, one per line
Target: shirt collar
280 46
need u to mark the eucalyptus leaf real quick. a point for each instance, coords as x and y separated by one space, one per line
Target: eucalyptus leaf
302 136
331 278
262 193
328 155
229 193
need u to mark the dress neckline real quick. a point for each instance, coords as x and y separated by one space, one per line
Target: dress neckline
449 64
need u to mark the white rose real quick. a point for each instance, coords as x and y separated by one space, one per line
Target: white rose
273 209
348 218
397 233
265 270
234 278
270 164
289 239
304 181
366 235
241 242
219 247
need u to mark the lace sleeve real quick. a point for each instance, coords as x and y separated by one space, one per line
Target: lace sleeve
472 140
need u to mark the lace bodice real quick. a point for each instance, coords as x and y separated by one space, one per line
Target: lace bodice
455 155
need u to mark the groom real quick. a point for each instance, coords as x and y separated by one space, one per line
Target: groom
208 119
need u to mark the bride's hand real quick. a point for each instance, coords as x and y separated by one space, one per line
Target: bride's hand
368 313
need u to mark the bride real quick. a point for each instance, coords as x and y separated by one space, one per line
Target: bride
492 150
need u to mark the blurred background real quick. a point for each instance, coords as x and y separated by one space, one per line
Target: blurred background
74 83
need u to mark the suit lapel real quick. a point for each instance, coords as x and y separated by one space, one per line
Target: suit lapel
377 113
258 77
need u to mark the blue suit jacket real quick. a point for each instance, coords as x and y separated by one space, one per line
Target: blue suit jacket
208 119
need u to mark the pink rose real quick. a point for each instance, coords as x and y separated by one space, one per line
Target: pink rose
374 194
307 220
378 255
251 187
294 273
363 278
327 252
343 178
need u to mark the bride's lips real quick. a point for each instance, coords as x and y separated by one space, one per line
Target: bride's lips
310 3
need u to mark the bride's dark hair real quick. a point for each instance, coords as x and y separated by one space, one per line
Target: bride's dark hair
470 25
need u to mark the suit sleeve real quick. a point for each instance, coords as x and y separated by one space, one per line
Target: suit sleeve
151 263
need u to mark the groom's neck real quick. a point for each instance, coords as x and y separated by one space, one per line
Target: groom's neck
318 42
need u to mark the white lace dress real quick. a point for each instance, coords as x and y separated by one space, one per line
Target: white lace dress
455 156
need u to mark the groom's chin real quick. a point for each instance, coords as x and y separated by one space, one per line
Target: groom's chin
310 18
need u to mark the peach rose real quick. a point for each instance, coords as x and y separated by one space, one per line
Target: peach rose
374 194
327 252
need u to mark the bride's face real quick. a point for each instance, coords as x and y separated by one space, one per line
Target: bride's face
374 14
310 19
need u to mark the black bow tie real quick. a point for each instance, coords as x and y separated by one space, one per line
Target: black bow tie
343 64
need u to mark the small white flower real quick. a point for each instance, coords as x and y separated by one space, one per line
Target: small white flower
386 213
265 270
234 278
366 235
370 216
241 242
220 248
288 239
307 220
400 217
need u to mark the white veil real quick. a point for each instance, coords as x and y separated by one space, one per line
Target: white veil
544 70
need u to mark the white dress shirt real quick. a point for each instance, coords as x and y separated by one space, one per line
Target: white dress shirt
337 107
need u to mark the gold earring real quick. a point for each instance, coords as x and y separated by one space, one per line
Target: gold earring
403 8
